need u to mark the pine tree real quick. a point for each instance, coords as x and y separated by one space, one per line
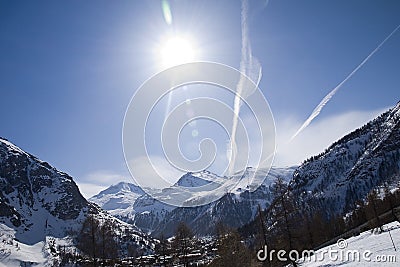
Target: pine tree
308 232
359 214
372 210
318 225
389 202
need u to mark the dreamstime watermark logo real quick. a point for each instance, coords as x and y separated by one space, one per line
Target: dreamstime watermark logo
338 253
250 139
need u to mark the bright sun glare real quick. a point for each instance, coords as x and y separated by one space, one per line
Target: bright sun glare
175 51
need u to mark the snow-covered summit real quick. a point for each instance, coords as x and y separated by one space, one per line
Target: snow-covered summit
196 179
121 187
117 196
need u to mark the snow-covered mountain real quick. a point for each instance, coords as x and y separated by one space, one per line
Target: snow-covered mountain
235 208
38 201
368 157
118 199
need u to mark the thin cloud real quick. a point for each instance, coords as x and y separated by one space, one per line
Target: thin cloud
88 189
251 67
149 174
105 177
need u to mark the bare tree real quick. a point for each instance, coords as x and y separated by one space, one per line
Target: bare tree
283 211
231 249
108 244
88 237
183 241
162 248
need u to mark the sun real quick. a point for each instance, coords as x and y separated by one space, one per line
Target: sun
176 50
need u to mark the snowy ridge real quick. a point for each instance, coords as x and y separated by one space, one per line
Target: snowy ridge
235 208
195 179
352 166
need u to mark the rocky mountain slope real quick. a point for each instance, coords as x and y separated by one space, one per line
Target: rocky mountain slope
35 198
352 166
38 201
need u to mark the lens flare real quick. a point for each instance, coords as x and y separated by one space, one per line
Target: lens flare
176 51
166 11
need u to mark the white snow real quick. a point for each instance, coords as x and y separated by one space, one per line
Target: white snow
14 253
366 249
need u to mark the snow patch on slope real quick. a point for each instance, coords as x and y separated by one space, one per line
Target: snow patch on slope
380 247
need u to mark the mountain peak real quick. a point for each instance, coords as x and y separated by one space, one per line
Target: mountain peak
117 197
195 179
119 188
35 198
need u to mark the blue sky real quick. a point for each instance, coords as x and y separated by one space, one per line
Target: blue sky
68 70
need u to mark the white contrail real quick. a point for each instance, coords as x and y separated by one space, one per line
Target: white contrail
249 66
326 99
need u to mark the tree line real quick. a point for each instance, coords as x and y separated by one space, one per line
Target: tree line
102 242
287 224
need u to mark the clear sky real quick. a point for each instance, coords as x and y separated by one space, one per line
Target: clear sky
69 68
